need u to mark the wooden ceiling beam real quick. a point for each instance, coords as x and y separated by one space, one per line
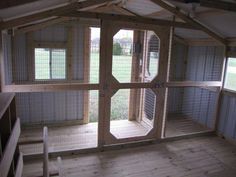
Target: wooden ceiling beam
127 18
41 25
50 13
11 3
190 20
217 4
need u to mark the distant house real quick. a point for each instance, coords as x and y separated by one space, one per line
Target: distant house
125 43
95 45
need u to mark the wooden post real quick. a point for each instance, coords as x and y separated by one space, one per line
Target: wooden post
105 80
70 43
135 94
165 54
2 72
45 152
219 92
60 167
86 52
30 56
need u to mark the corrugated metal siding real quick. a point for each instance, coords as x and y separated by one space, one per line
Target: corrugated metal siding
49 107
6 40
204 63
195 103
227 120
51 34
199 104
20 59
53 106
178 61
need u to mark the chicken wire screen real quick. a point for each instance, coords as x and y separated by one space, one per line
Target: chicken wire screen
190 110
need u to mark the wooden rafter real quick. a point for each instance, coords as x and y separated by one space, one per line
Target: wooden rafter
217 4
41 25
223 5
127 18
49 13
190 20
11 3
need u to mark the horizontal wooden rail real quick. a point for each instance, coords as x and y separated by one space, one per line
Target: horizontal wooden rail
49 87
81 86
229 92
194 84
127 18
8 154
132 85
30 141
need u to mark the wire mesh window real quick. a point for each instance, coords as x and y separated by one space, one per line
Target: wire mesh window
230 78
122 55
50 63
152 61
135 56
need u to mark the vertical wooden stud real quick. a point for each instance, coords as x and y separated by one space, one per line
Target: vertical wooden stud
45 152
86 55
30 56
69 53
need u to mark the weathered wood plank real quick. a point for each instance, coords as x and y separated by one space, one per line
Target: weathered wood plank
10 150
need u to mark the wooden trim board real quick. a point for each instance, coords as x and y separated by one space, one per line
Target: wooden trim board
8 154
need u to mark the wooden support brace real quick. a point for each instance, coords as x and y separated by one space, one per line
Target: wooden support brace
132 19
50 13
190 20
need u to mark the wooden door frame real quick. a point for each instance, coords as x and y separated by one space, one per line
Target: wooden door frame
108 86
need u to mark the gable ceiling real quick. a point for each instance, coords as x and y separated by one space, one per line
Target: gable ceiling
223 22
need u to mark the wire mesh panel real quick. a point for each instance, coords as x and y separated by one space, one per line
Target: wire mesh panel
132 112
190 110
196 63
94 55
70 116
122 55
135 56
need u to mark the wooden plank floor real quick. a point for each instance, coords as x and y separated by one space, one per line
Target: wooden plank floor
196 157
177 125
78 136
85 136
